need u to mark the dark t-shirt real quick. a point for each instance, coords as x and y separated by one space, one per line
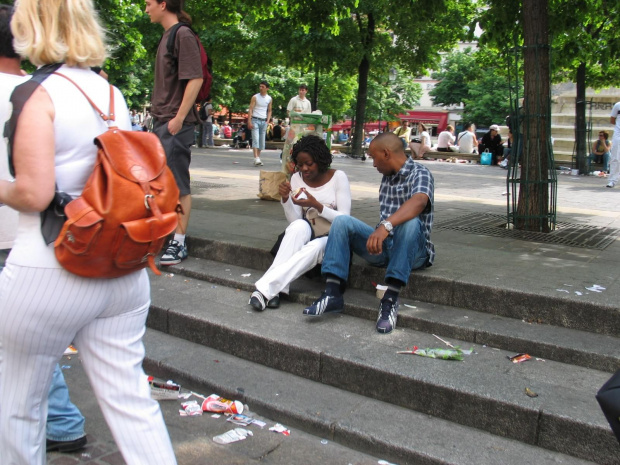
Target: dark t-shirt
170 79
277 132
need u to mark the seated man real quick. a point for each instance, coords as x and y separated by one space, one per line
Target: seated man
401 242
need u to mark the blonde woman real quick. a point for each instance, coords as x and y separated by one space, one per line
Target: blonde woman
43 308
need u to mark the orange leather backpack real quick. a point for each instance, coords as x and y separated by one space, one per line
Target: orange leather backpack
128 207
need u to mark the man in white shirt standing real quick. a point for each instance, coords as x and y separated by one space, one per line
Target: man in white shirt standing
299 103
614 159
258 115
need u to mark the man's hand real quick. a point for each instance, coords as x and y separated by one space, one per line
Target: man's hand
175 125
250 125
374 245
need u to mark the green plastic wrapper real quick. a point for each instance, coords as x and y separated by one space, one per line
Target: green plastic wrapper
444 354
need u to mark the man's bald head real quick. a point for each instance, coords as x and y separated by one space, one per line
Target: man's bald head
389 141
387 153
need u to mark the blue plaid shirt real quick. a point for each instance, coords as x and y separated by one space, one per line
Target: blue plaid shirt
413 178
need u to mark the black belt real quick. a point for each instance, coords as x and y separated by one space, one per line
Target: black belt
259 119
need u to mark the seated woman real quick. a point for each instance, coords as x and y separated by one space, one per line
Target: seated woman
327 190
418 149
601 150
492 142
446 139
243 138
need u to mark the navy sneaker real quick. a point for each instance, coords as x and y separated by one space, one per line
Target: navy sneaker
325 304
258 301
175 252
388 313
65 446
274 302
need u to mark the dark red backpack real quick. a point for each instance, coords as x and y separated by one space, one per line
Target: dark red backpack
205 61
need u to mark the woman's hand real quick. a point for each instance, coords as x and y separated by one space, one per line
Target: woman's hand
284 189
309 202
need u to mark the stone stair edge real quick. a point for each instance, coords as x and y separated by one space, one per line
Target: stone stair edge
351 431
427 391
586 349
561 311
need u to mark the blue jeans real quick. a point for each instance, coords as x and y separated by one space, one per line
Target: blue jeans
259 130
402 252
64 420
207 134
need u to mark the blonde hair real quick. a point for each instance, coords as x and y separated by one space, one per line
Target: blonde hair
58 31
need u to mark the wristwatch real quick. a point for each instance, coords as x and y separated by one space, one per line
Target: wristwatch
387 225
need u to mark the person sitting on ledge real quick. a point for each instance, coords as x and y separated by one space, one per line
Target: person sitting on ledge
401 241
445 139
327 191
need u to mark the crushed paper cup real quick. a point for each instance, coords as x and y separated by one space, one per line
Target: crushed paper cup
217 404
381 291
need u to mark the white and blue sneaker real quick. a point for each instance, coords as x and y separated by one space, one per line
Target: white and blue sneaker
175 252
388 313
325 304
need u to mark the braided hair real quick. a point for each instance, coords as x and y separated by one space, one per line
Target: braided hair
316 148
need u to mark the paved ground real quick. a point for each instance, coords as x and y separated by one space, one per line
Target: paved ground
226 208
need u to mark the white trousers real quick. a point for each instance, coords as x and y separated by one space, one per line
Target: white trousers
41 312
614 161
297 255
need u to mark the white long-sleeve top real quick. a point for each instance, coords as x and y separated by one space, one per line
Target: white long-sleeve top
335 195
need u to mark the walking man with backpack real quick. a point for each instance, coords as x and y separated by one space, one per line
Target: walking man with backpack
178 80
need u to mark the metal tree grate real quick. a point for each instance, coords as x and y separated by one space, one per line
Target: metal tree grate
573 235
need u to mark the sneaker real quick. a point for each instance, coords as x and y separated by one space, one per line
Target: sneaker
611 184
258 301
325 304
274 302
388 313
65 446
257 162
175 252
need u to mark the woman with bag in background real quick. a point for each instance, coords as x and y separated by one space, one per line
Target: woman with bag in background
311 201
418 149
43 307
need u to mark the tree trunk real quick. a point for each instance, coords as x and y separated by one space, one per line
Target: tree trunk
315 94
367 34
533 205
581 149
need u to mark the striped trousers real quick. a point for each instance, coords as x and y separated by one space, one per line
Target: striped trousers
42 311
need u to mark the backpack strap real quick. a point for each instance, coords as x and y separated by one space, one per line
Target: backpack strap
19 97
172 37
107 118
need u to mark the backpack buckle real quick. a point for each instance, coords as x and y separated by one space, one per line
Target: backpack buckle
146 200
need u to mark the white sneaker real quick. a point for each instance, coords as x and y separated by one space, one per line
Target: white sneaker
257 162
611 184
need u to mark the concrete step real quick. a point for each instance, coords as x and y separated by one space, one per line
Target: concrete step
570 346
486 391
471 293
380 428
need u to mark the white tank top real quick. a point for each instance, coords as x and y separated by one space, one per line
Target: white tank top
76 124
260 108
